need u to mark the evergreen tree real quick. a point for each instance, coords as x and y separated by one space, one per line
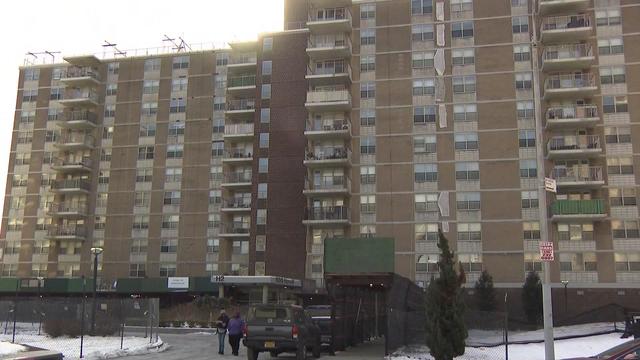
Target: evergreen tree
446 331
532 298
485 293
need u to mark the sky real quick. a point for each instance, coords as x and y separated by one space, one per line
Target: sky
81 27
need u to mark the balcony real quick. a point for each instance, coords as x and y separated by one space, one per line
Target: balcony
71 186
327 185
580 146
80 99
79 120
572 116
238 131
330 20
327 215
565 29
67 232
242 62
245 84
546 7
66 165
578 176
80 76
236 205
237 180
329 47
241 107
568 210
75 141
328 100
574 86
567 57
323 129
237 156
235 229
338 156
327 74
68 210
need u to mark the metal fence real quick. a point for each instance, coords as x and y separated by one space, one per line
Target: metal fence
69 326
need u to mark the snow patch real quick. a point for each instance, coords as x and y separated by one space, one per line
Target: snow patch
7 348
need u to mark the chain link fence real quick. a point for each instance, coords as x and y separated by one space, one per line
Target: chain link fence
71 326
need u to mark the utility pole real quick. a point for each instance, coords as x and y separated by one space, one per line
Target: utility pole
547 307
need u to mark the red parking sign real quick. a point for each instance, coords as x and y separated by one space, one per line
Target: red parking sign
546 251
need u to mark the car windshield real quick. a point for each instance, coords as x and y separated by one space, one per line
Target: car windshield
617 349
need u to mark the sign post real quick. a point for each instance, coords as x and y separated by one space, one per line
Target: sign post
550 185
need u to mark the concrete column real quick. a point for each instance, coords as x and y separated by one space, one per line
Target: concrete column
221 291
265 294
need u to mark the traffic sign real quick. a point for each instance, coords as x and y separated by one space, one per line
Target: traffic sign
550 185
546 251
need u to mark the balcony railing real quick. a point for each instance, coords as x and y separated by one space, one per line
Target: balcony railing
566 52
337 69
238 177
565 22
82 95
80 115
336 153
238 129
66 231
330 14
237 203
237 154
70 184
241 81
572 112
241 104
84 162
236 227
578 207
578 142
328 41
570 81
57 208
76 139
243 59
326 213
331 125
577 174
339 182
80 72
328 96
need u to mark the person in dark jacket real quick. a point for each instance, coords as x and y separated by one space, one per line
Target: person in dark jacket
221 325
235 326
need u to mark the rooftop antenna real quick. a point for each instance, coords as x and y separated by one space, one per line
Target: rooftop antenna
116 51
46 52
178 46
52 54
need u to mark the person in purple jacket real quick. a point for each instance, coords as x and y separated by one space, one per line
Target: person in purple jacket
235 327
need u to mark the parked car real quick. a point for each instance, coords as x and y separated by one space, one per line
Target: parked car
627 351
280 329
330 336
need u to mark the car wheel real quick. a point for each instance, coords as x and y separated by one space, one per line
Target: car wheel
301 352
252 354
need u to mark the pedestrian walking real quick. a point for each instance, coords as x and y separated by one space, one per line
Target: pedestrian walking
235 326
221 325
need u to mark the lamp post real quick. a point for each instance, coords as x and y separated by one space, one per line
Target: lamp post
95 251
40 280
565 283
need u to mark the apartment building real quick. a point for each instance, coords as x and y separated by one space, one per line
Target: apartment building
363 118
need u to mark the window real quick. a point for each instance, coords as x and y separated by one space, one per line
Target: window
179 84
465 112
27 117
58 93
212 269
425 144
469 232
628 229
213 221
620 166
527 138
575 232
113 68
421 7
466 141
367 174
151 65
267 44
23 159
144 175
629 261
367 204
525 110
467 171
422 60
263 190
265 115
149 108
171 198
367 11
367 230
170 221
177 105
367 63
137 270
617 135
614 104
532 260
14 225
263 165
608 17
612 75
529 199
107 132
425 173
471 262
175 151
423 87
519 3
140 222
261 217
578 262
464 84
215 197
622 197
531 230
367 117
41 246
145 153
265 91
105 154
528 168
426 203
24 137
52 114
219 103
19 180
218 126
181 62
142 198
368 90
468 201
264 140
367 36
167 270
109 110
426 232
610 46
112 89
31 74
523 81
9 270
462 29
29 95
463 57
220 82
213 246
176 128
521 52
100 223
459 6
422 32
138 246
424 114
215 174
368 145
17 202
51 136
168 246
103 177
217 148
47 158
520 24
147 129
222 59
267 67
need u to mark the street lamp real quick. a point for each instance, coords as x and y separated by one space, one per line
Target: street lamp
40 280
95 251
565 283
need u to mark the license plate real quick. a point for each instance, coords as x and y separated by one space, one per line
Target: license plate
269 344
